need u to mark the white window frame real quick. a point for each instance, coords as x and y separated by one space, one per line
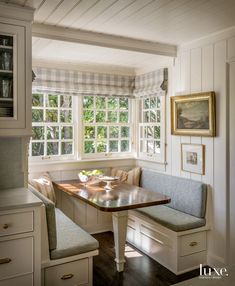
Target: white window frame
105 155
60 125
156 157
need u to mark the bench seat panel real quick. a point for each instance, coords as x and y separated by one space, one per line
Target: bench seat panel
71 239
172 219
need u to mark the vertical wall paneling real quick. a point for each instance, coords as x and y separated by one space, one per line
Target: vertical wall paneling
185 72
185 89
219 192
175 140
232 162
168 154
196 86
208 85
231 48
196 70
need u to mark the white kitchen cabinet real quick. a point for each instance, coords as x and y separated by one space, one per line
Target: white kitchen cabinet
20 238
15 70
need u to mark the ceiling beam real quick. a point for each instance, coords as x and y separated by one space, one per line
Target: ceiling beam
102 40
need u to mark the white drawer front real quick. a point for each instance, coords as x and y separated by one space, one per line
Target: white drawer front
68 274
26 280
16 257
16 223
192 243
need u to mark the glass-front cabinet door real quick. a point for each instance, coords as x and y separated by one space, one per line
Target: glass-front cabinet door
12 76
6 75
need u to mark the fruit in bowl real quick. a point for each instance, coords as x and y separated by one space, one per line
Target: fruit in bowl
89 176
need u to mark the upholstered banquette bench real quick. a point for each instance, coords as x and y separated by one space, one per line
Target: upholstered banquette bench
175 234
67 250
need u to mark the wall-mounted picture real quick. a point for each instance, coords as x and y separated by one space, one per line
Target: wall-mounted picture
193 114
192 158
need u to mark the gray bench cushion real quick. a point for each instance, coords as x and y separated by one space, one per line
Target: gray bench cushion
71 239
50 216
186 195
172 219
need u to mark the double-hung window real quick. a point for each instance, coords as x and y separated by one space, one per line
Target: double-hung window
53 128
106 126
152 128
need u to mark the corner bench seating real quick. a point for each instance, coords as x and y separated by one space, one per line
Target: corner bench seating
175 234
67 250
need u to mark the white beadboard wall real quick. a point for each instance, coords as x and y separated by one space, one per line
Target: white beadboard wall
201 66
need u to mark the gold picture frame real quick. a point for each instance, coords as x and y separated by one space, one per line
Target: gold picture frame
193 114
193 158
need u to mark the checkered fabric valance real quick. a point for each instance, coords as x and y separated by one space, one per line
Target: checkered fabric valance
76 82
152 83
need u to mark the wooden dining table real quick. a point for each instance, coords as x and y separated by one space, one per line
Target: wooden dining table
119 200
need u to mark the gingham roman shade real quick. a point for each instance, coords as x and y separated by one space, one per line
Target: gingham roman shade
152 83
77 82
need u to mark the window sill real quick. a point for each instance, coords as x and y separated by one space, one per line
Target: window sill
60 165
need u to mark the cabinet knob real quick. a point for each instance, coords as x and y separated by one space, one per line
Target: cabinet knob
5 226
5 260
193 243
67 276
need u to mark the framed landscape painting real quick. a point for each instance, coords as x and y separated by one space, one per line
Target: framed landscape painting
193 114
193 158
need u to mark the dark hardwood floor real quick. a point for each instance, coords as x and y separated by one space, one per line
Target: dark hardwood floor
140 270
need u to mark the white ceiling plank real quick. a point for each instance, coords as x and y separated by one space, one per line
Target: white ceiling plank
92 12
118 18
17 2
98 39
34 3
165 12
114 10
75 13
64 9
202 12
46 9
146 11
189 10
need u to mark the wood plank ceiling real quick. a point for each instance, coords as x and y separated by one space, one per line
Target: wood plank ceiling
167 21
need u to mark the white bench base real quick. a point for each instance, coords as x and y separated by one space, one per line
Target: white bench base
75 270
179 252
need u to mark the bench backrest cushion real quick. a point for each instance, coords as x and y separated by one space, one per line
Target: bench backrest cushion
186 195
50 215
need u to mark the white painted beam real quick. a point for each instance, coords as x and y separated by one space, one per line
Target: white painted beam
103 40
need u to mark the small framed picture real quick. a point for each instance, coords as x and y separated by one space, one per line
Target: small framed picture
193 158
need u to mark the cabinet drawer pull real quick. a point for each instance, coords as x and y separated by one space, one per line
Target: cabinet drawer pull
193 243
67 276
5 260
5 226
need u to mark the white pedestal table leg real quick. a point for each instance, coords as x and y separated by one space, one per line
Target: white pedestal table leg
119 231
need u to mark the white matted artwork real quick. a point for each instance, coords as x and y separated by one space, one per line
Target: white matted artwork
192 158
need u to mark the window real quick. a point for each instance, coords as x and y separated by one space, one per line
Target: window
53 130
106 126
151 128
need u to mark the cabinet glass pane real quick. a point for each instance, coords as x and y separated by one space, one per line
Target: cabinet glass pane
6 76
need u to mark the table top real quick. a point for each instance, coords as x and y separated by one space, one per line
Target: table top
122 197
